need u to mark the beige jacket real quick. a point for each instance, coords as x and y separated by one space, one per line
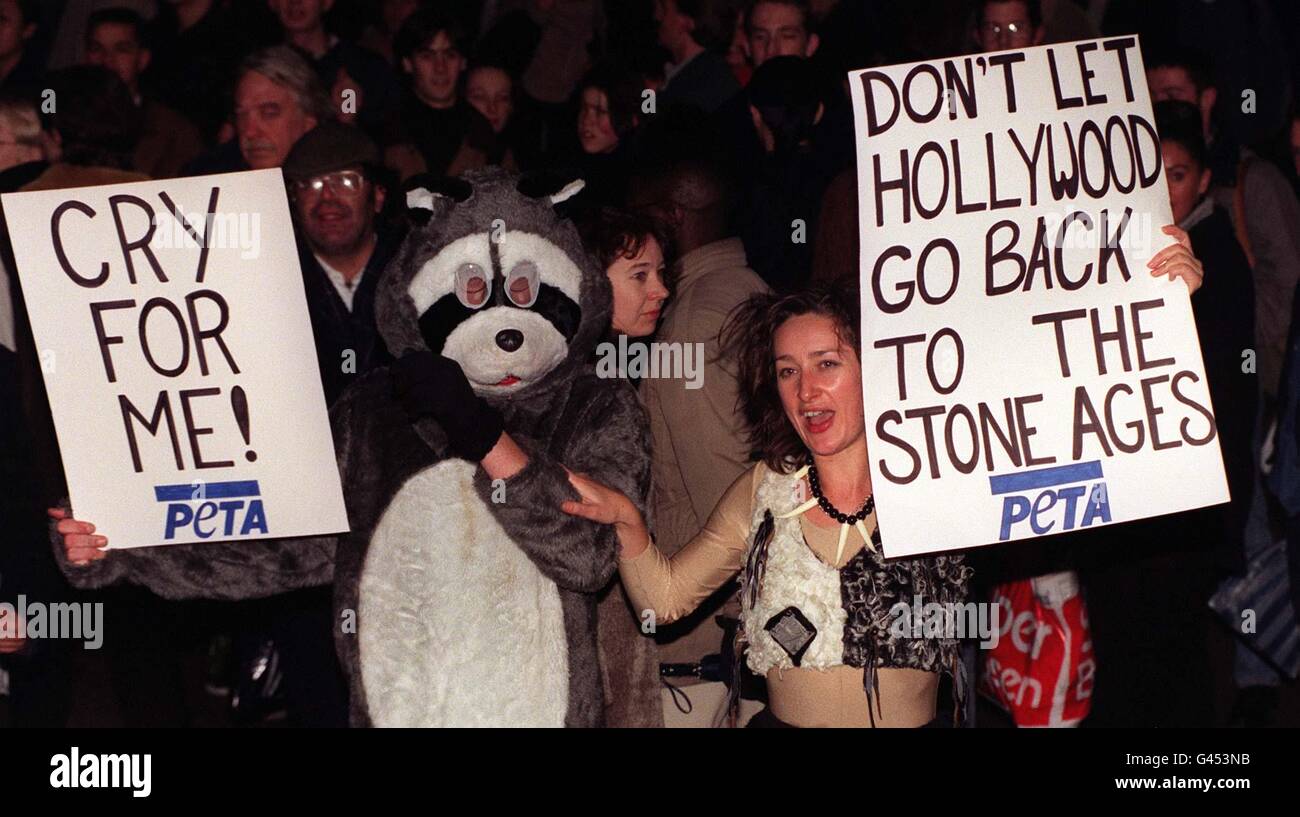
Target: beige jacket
697 433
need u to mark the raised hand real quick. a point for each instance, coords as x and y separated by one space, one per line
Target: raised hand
1178 261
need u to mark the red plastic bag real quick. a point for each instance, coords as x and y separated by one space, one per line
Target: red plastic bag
1041 669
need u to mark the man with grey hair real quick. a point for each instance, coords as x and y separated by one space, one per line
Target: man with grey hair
278 98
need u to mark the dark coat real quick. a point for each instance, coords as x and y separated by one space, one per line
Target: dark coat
447 140
192 70
788 187
1224 309
1148 582
338 331
706 82
24 528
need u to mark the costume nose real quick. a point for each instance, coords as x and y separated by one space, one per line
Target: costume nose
510 339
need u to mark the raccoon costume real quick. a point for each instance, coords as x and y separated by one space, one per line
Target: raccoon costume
460 601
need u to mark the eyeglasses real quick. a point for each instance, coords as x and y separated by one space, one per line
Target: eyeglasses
474 285
340 183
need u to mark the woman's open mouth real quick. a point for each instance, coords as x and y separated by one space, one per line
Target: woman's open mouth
818 421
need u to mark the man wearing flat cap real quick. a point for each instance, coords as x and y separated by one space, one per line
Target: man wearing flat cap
336 189
334 176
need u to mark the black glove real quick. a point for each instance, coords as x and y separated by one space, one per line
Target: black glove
429 385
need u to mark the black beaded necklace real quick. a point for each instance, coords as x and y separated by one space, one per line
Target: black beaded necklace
831 510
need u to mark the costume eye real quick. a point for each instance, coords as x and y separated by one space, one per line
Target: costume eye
521 284
472 285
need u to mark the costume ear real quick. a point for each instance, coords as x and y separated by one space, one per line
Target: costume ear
428 195
557 187
567 192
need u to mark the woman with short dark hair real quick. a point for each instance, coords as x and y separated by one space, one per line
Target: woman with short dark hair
632 249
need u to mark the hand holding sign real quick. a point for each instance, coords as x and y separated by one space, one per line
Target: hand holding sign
80 542
1178 261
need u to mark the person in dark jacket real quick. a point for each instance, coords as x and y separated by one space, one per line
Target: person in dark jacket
608 116
805 130
21 68
1148 582
435 131
40 674
696 34
338 191
40 671
341 65
115 39
198 45
88 139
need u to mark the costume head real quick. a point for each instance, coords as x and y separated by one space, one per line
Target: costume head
498 281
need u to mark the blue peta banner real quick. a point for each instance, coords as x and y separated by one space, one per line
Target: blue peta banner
1033 496
209 508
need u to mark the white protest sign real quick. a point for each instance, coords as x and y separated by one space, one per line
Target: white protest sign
1023 373
178 358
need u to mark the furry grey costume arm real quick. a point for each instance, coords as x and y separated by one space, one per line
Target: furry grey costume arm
225 570
220 570
609 441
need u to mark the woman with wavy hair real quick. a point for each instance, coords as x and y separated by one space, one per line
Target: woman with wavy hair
800 529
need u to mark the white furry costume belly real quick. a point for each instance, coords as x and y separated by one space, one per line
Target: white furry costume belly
457 626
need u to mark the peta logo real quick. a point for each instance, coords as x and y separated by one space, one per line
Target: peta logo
223 509
1051 496
77 771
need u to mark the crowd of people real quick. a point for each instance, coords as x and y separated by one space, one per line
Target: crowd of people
716 141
